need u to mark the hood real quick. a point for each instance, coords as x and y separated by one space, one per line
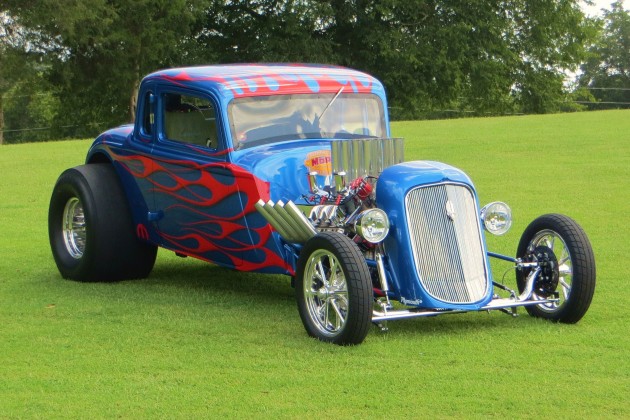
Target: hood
285 166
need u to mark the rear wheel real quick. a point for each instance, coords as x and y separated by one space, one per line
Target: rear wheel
567 264
91 232
334 292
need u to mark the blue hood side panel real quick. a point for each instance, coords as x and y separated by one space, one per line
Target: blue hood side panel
282 165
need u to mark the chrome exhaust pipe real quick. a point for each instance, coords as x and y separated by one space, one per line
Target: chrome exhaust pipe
301 221
279 226
282 213
293 235
287 220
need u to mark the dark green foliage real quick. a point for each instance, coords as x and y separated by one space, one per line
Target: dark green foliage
436 57
606 73
264 31
98 50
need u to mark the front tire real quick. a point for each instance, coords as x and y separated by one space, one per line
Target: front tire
90 228
334 292
567 261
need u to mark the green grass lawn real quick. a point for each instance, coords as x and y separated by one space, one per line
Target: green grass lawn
197 340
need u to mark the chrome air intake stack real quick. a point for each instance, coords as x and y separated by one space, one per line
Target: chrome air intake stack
358 158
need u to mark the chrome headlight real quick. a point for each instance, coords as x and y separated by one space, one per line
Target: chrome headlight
372 225
497 218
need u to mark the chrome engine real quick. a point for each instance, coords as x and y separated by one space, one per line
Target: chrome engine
337 201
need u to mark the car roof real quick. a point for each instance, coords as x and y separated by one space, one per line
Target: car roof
243 80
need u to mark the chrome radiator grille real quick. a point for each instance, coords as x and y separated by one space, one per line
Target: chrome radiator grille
446 241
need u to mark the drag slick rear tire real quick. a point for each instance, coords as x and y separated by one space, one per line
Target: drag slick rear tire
567 264
90 228
333 288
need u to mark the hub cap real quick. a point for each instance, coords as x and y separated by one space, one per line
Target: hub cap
74 228
557 268
326 292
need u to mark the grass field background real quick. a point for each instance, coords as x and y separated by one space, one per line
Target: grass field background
197 340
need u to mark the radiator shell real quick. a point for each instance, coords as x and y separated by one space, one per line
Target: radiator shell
434 262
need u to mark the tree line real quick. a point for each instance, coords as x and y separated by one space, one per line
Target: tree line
73 69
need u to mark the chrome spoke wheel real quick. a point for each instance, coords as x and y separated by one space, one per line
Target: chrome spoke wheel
334 289
73 228
326 292
565 282
556 276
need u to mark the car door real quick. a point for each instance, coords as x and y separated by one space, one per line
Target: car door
195 193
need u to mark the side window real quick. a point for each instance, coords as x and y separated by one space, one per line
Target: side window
148 116
189 119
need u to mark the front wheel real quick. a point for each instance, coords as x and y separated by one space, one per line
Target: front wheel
567 263
334 292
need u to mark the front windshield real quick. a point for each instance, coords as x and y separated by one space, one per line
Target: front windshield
268 119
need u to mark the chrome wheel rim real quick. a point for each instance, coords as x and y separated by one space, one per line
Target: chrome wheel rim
326 293
73 228
554 241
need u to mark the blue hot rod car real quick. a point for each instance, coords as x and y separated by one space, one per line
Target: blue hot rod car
291 169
